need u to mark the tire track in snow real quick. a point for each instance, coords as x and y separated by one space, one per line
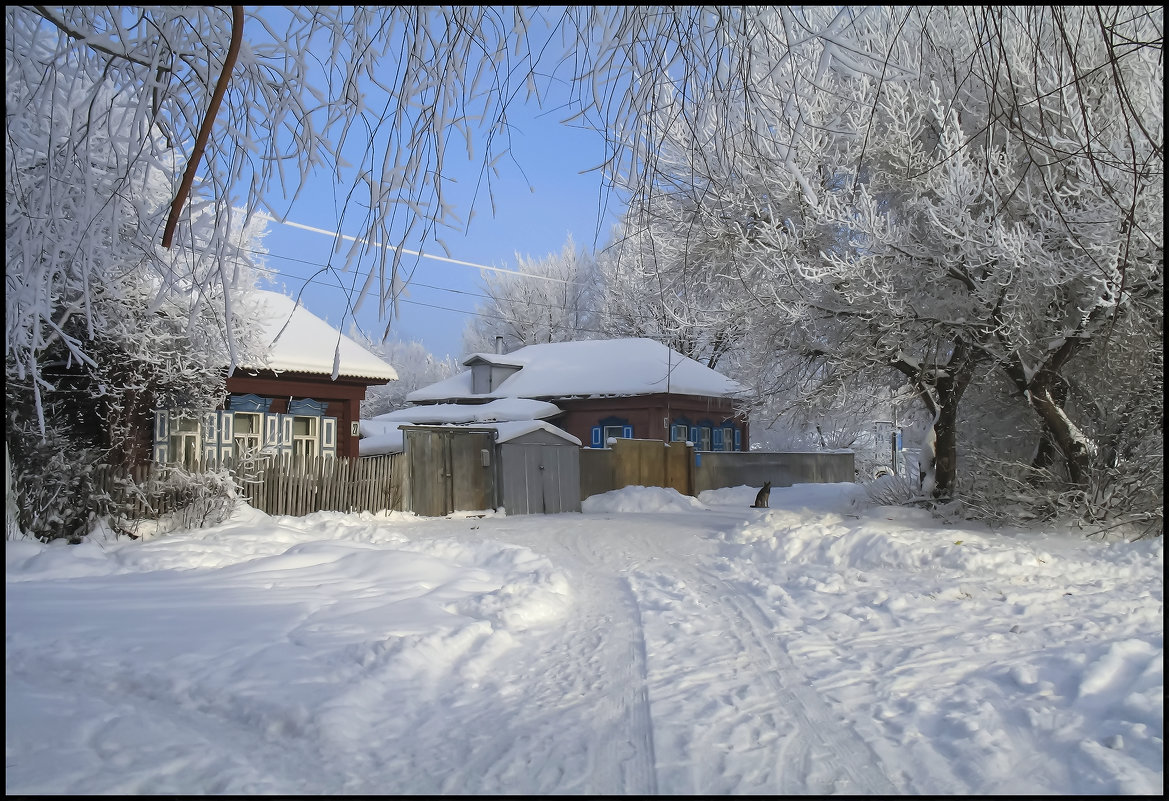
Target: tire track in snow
778 736
641 770
835 756
933 773
700 716
774 736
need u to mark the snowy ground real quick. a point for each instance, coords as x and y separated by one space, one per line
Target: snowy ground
653 644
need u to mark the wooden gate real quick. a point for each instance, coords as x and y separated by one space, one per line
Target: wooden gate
450 469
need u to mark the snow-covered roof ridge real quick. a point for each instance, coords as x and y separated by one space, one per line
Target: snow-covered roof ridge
381 436
497 411
506 360
308 344
596 367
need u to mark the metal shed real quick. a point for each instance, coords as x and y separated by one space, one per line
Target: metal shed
539 471
525 467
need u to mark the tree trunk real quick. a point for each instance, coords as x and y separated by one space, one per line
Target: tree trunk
11 507
949 385
946 437
1076 448
1049 448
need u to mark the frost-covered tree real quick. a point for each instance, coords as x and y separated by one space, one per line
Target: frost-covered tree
416 366
548 299
659 282
253 101
965 192
103 324
1039 129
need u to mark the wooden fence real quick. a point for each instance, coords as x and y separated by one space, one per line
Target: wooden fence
635 462
275 485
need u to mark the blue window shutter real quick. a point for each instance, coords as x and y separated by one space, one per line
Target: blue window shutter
694 434
627 432
307 407
718 439
248 403
738 440
596 436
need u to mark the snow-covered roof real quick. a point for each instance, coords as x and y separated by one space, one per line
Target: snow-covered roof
381 436
496 411
492 358
310 345
599 367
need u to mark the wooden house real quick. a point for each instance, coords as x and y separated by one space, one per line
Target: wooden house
303 397
618 388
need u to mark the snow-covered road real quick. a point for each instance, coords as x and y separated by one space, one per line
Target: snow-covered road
674 637
654 645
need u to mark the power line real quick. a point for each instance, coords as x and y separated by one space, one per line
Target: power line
495 317
517 301
498 317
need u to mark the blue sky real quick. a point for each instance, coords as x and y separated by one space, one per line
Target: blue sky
536 209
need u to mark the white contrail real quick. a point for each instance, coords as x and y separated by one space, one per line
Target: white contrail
421 255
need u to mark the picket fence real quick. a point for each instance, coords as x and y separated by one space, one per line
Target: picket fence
277 485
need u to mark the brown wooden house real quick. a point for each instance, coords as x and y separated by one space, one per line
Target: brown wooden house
303 398
606 389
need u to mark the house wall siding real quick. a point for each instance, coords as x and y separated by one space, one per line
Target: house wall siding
343 396
645 413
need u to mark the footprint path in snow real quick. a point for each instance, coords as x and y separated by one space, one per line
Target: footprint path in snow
530 749
770 734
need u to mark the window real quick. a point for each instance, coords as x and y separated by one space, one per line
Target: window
703 438
679 432
610 428
305 436
614 432
728 439
184 441
247 432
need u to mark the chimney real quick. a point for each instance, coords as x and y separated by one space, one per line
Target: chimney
499 344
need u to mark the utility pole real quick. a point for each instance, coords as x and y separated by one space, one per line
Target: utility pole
894 436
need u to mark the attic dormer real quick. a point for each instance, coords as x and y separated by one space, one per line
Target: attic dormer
489 371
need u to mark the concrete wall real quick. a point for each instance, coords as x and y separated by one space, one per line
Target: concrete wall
717 470
649 463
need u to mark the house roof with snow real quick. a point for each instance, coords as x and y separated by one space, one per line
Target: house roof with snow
508 417
591 368
301 342
496 411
